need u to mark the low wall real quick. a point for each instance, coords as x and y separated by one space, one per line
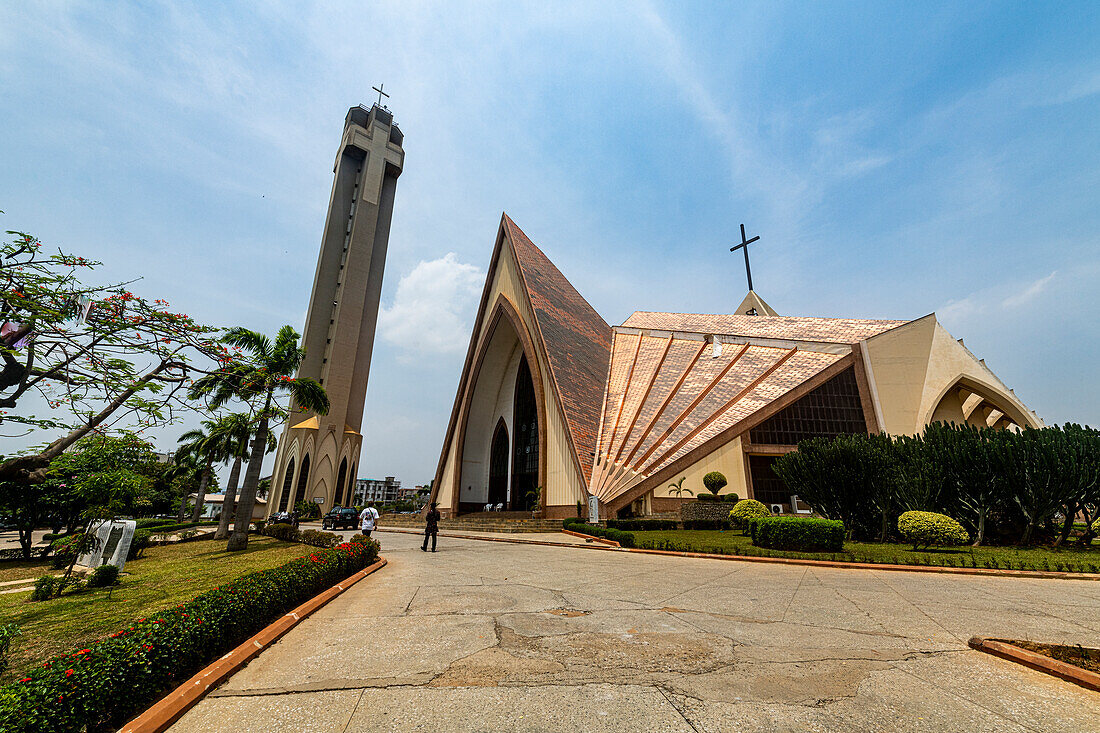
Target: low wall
709 510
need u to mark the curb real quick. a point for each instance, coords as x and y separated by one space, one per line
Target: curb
171 707
1035 574
591 538
1005 650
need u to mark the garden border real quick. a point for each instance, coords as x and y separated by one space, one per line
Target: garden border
591 537
1006 650
172 706
996 573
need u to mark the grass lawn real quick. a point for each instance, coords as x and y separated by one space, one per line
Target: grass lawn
732 542
165 576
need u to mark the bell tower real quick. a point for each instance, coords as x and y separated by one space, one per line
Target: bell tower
318 455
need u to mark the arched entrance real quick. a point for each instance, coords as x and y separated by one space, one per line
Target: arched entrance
525 454
498 467
284 495
303 479
337 494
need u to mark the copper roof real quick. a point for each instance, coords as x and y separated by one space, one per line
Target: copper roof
667 395
793 328
576 340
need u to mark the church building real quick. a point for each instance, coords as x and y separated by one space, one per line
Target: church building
554 405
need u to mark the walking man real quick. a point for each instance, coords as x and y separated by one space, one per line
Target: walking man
431 527
367 518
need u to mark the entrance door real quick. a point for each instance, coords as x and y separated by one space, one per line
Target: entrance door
498 466
525 456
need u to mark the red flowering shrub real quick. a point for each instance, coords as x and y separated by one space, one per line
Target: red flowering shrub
103 686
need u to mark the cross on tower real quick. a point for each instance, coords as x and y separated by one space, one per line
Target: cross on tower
744 246
381 93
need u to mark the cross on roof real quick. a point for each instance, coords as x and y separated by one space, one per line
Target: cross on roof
744 246
381 93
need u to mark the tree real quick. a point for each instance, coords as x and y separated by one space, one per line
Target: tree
234 431
262 373
714 482
677 487
101 352
207 448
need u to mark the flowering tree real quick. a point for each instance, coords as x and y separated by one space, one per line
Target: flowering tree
104 354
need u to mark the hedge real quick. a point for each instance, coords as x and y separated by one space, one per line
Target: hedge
706 524
925 529
288 533
727 498
642 525
625 539
106 684
802 534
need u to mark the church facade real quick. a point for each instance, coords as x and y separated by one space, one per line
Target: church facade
554 405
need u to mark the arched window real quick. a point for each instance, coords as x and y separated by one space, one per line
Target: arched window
303 483
284 495
498 466
341 475
525 426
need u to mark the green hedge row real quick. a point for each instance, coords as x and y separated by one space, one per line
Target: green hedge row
706 524
115 678
642 525
625 539
288 533
724 498
802 534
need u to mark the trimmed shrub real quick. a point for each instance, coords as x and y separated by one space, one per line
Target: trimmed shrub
285 532
928 529
706 524
104 685
803 534
103 576
625 539
728 498
745 510
317 538
642 525
8 632
715 482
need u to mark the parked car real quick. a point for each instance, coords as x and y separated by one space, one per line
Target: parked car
281 518
341 518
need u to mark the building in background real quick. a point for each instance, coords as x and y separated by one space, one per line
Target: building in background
372 489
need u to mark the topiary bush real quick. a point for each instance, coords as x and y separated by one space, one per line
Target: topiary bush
745 510
715 482
102 686
803 534
929 529
103 576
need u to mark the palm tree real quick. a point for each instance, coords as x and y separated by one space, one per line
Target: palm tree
234 430
206 448
677 488
264 370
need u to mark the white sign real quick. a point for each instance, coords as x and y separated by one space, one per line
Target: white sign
112 543
593 510
318 500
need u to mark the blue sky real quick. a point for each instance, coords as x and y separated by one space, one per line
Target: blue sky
896 158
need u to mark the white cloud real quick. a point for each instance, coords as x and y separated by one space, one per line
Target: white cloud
433 307
1029 293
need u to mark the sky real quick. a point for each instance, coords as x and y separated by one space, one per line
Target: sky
896 159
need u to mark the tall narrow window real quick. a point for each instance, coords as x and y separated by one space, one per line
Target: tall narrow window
284 495
303 484
350 500
525 453
338 489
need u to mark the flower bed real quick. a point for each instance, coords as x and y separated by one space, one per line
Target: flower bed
103 685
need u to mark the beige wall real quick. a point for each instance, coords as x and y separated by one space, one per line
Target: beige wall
728 459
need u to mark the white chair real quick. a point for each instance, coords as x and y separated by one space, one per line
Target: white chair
499 508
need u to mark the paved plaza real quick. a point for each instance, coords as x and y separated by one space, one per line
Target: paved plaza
488 636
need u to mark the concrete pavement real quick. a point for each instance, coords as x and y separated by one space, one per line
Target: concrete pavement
488 636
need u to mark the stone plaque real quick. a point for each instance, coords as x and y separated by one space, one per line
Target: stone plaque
113 538
593 510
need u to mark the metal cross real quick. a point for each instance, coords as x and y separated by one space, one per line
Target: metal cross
381 93
745 247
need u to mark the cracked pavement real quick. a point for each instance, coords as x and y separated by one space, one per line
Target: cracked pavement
486 636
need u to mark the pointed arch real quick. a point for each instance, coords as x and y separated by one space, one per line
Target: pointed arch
498 465
303 479
341 475
525 451
284 493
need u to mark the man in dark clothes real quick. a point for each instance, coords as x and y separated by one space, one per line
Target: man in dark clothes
431 527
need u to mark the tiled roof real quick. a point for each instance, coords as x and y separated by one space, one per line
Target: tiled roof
666 396
793 328
576 339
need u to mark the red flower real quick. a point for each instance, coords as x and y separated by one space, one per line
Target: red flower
68 673
25 679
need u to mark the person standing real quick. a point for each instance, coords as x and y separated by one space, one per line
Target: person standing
367 518
431 526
